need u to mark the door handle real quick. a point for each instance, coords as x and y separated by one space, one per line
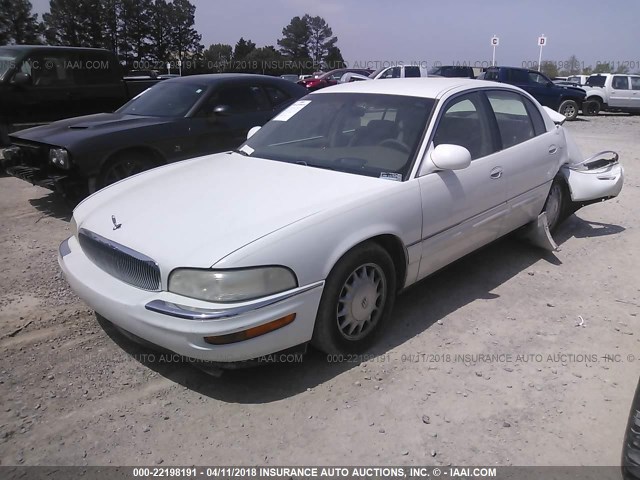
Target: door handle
552 149
496 173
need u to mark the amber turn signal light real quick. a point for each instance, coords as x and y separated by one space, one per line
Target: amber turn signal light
252 332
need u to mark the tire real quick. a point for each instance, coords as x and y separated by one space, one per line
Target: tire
356 302
556 204
569 108
124 165
591 107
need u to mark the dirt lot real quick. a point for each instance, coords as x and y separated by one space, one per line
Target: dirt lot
74 393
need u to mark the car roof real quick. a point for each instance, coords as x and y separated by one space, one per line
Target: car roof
25 48
211 78
427 87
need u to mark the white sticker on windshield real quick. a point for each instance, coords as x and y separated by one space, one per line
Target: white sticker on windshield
247 149
199 90
291 111
396 177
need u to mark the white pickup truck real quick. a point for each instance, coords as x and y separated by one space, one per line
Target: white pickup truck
397 71
612 92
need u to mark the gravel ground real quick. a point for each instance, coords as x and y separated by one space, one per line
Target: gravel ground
74 392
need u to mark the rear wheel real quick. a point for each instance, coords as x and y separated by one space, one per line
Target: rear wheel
569 108
124 165
357 299
556 204
591 107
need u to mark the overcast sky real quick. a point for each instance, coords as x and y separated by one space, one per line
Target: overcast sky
446 31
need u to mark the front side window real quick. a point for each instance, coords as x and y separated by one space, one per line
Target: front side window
165 99
465 123
365 134
514 123
393 72
596 80
536 78
49 70
620 83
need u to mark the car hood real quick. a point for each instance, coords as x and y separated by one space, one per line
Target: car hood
578 90
65 133
196 212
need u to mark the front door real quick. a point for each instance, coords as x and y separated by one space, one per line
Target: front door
462 209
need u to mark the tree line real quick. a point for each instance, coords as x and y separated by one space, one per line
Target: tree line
147 34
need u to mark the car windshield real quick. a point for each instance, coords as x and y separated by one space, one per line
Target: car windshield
596 81
8 60
365 134
165 99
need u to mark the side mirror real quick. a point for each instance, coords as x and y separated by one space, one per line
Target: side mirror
252 132
222 110
21 78
550 84
450 157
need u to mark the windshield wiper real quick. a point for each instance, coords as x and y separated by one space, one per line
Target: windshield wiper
314 165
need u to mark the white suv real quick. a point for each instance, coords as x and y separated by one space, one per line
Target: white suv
612 92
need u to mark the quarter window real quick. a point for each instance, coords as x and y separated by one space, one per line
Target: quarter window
276 95
243 99
466 123
635 83
513 120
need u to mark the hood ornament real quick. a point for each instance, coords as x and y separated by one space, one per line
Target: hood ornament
116 225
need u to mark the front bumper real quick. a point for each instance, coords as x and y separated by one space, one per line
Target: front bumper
155 316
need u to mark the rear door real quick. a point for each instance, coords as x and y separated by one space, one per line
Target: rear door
462 209
620 94
528 153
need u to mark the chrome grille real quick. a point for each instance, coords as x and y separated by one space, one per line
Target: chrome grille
119 261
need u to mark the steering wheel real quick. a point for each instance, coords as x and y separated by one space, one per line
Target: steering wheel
396 144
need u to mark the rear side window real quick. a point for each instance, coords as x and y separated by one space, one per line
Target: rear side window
512 116
96 69
412 72
635 83
620 83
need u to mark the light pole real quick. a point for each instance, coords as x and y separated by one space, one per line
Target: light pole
495 41
542 41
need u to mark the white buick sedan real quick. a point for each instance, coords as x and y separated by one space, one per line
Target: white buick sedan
309 230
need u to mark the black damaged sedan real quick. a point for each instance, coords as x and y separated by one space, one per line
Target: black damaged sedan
176 119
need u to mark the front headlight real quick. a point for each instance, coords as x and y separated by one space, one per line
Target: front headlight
225 286
60 158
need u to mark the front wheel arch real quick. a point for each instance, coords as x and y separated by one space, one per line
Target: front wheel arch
340 302
154 158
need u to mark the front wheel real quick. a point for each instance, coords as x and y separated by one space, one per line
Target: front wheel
556 204
123 166
569 108
358 296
